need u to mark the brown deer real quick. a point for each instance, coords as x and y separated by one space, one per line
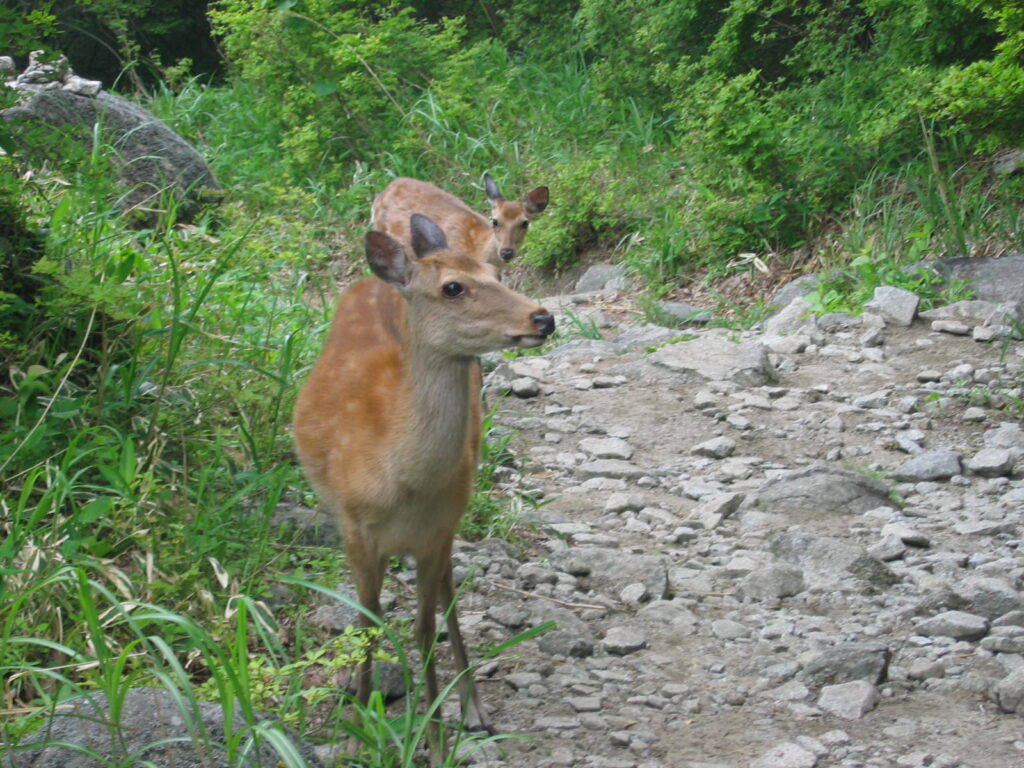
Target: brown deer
388 425
496 239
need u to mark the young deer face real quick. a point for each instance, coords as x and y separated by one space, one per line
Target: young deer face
457 305
510 219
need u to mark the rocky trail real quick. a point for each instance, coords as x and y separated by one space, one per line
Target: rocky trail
789 548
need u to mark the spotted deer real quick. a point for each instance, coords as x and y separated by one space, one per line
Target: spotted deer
387 427
495 239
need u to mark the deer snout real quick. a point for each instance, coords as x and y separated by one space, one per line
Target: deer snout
507 254
543 322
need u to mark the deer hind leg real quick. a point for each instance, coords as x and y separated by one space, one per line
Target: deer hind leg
473 715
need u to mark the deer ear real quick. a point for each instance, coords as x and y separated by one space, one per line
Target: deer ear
536 200
427 237
387 258
491 188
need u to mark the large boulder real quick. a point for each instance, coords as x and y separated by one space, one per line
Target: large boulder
156 168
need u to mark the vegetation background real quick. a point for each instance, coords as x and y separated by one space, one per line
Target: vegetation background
148 375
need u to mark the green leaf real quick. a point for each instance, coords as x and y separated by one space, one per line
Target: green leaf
325 87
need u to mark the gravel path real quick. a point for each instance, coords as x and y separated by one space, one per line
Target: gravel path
795 547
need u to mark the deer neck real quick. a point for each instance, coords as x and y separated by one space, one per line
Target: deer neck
438 397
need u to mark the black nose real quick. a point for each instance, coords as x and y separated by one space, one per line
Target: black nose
544 323
507 254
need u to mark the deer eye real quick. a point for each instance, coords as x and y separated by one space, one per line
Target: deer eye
525 225
494 223
452 290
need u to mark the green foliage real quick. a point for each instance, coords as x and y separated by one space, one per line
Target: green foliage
986 97
340 74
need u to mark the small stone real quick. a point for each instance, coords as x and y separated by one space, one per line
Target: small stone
850 700
716 448
786 755
907 535
930 465
624 502
773 582
606 448
894 305
992 462
727 629
956 624
525 387
622 641
954 327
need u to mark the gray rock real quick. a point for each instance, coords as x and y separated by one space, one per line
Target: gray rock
985 527
798 287
939 464
894 305
971 313
150 728
826 561
1008 434
606 448
822 490
959 625
525 387
888 549
794 318
611 570
603 276
510 615
727 629
622 641
786 755
992 462
989 596
560 642
1009 692
850 700
909 536
624 502
991 279
714 508
715 357
846 662
772 582
952 327
309 526
614 468
715 448
151 160
684 313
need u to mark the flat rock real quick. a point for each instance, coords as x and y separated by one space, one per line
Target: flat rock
992 462
822 490
940 464
606 448
610 570
847 662
825 560
715 357
990 279
622 641
786 755
959 625
772 582
851 700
